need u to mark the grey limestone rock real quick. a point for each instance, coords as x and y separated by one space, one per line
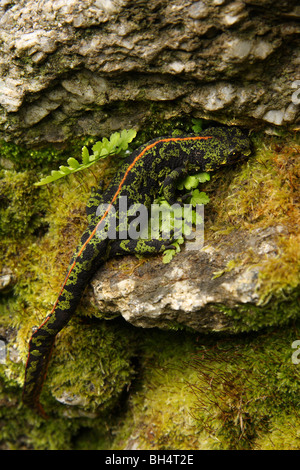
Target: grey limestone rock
92 67
193 289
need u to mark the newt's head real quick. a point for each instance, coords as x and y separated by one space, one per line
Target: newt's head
228 145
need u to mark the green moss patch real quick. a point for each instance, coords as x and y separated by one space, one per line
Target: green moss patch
91 366
263 193
200 392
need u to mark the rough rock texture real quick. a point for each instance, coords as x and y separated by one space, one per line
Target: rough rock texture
90 67
190 290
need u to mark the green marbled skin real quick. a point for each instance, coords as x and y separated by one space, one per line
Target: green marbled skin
161 161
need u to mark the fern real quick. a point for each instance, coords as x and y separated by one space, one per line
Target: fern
117 142
197 127
195 197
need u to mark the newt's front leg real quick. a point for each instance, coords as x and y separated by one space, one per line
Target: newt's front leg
169 185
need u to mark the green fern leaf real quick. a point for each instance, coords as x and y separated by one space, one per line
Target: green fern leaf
85 156
101 149
73 163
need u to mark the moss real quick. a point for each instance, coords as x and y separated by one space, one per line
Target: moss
249 317
190 392
212 392
91 366
246 386
264 193
159 408
259 194
42 157
21 206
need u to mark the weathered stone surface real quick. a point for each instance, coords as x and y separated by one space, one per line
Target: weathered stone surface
191 289
78 67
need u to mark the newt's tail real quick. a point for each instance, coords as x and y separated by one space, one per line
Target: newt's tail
42 340
40 349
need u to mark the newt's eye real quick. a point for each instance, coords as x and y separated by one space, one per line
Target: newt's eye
233 154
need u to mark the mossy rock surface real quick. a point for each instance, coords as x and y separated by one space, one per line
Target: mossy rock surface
112 385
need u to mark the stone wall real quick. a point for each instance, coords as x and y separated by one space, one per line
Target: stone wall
91 67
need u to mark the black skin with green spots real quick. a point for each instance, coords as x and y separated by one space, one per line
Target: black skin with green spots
160 162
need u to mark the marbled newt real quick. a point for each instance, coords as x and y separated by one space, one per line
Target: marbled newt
160 162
